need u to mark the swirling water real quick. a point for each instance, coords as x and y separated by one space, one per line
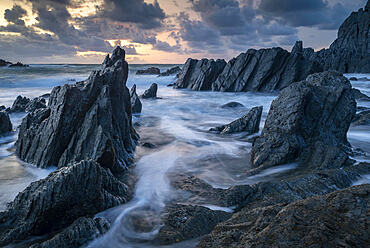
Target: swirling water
176 124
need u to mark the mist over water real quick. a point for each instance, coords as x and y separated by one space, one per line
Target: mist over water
177 125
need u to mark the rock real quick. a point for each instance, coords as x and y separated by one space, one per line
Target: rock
308 122
353 79
265 70
5 124
338 219
199 74
86 120
359 96
47 95
362 118
136 105
181 222
18 64
78 234
149 71
151 92
349 52
232 105
148 145
53 203
36 103
363 79
247 123
20 104
4 62
169 72
170 85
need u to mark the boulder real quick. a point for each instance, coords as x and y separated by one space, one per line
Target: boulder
86 120
353 79
308 122
338 219
362 118
53 203
247 123
5 124
78 234
199 74
359 96
172 71
149 71
151 92
265 70
136 105
232 105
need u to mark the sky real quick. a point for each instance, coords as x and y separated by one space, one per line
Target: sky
163 31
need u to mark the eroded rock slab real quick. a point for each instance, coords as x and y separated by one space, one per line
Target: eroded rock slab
136 105
151 92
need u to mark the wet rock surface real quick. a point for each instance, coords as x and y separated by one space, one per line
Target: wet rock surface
149 71
359 96
53 203
199 74
5 124
247 123
171 71
78 234
361 118
308 122
151 92
86 120
136 105
336 219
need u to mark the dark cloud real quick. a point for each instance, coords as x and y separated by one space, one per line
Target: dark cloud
15 14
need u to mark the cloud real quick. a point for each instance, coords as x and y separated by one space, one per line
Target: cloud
15 14
166 47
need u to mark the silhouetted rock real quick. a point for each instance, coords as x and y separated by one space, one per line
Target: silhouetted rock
136 105
359 96
308 122
5 124
53 203
169 72
86 120
199 74
80 233
232 105
4 62
18 64
151 92
149 71
247 123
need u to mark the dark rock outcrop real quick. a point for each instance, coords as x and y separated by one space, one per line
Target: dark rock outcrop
20 104
79 234
265 70
151 92
5 124
86 120
359 96
199 74
247 123
4 62
362 118
149 71
308 122
53 203
171 71
136 105
18 64
232 105
336 219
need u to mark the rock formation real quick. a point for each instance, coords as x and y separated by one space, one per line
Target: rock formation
151 92
5 124
362 118
53 203
149 71
4 62
86 120
247 123
136 105
10 64
171 71
308 122
18 64
199 74
359 96
232 105
24 104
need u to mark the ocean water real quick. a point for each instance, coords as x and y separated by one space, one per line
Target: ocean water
177 124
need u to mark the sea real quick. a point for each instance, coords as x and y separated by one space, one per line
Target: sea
179 122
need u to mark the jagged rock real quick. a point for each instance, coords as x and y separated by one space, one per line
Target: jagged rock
80 233
181 222
359 96
151 92
265 70
86 120
36 103
18 64
47 95
169 72
362 118
350 51
247 123
4 62
5 124
232 105
136 105
149 71
199 74
308 122
20 104
53 203
339 219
